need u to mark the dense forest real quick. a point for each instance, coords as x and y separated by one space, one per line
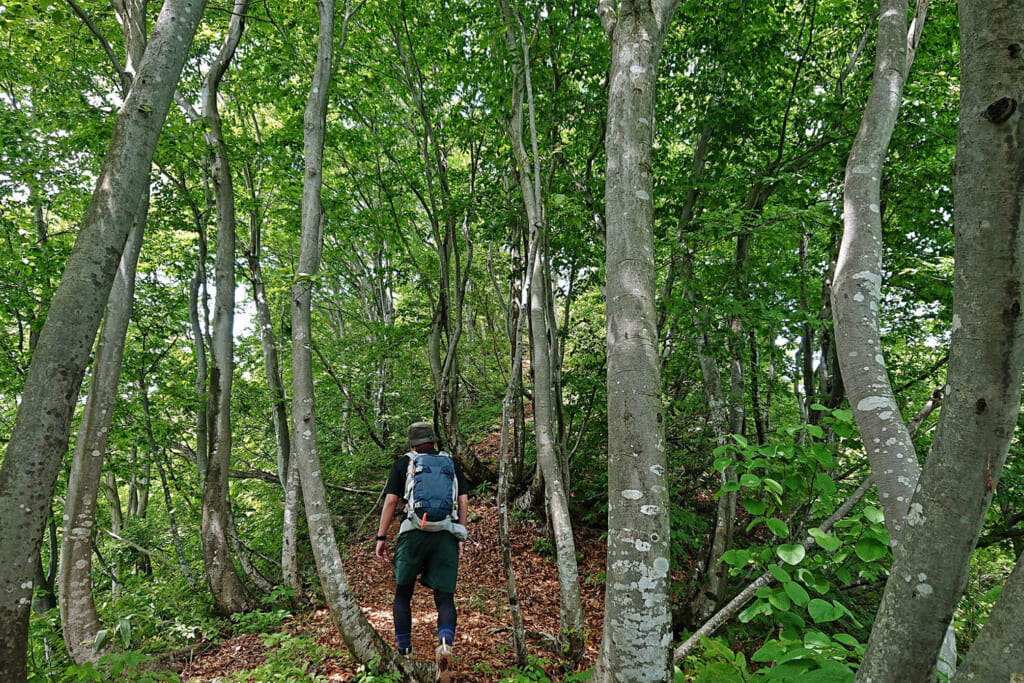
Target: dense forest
728 292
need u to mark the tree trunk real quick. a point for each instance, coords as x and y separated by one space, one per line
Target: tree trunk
986 358
542 340
77 608
638 621
856 288
229 594
362 640
40 435
279 409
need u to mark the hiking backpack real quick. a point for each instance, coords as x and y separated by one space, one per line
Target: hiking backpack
431 489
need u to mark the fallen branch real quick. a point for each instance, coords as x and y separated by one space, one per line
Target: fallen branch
744 596
145 551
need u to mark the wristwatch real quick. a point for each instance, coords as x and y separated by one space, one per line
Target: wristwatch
382 538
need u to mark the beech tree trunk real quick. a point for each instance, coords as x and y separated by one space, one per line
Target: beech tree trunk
362 640
42 427
543 334
856 288
982 400
79 620
229 593
636 645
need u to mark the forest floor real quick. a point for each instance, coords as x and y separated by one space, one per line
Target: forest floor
483 647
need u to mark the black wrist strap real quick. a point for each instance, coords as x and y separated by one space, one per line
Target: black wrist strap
382 538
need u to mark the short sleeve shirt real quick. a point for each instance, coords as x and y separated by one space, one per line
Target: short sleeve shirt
396 479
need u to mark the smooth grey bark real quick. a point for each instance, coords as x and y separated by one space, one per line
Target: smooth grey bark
636 644
43 423
982 401
543 335
360 637
79 620
856 287
229 593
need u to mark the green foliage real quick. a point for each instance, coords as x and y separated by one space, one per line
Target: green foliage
118 666
288 659
815 657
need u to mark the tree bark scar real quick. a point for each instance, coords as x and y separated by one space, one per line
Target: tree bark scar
980 406
1014 50
1001 110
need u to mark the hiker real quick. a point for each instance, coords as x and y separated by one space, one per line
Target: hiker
430 538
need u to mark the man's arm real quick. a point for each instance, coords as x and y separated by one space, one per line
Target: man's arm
386 516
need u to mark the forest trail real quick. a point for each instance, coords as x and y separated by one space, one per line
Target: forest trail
483 647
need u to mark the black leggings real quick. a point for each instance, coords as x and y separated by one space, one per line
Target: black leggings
402 612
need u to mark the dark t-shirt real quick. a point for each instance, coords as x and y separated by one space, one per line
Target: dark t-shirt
396 480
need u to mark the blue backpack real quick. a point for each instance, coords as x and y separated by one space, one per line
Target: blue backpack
431 490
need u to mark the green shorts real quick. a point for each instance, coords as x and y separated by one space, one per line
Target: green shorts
431 555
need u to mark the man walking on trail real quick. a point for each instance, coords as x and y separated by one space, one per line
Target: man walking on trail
430 538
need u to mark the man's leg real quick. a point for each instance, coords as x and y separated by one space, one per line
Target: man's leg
401 611
445 603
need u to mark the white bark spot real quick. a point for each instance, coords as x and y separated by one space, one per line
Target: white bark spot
885 415
27 585
874 208
875 403
879 359
638 69
858 297
649 510
641 194
661 566
81 564
956 323
873 279
96 453
641 546
853 354
915 515
657 470
860 169
924 589
922 577
632 494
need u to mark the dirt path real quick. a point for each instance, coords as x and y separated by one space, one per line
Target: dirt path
483 647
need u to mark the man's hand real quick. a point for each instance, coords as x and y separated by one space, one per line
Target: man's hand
382 551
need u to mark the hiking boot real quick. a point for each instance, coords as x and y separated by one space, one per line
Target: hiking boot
443 657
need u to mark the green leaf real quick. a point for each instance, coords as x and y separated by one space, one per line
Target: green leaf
870 549
741 440
791 553
730 486
780 601
825 541
874 515
815 431
846 639
777 527
797 592
723 463
822 611
772 485
750 480
754 506
780 574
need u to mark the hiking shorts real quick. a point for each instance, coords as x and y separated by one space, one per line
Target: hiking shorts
433 556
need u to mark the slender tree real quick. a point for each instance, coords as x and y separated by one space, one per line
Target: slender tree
229 593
